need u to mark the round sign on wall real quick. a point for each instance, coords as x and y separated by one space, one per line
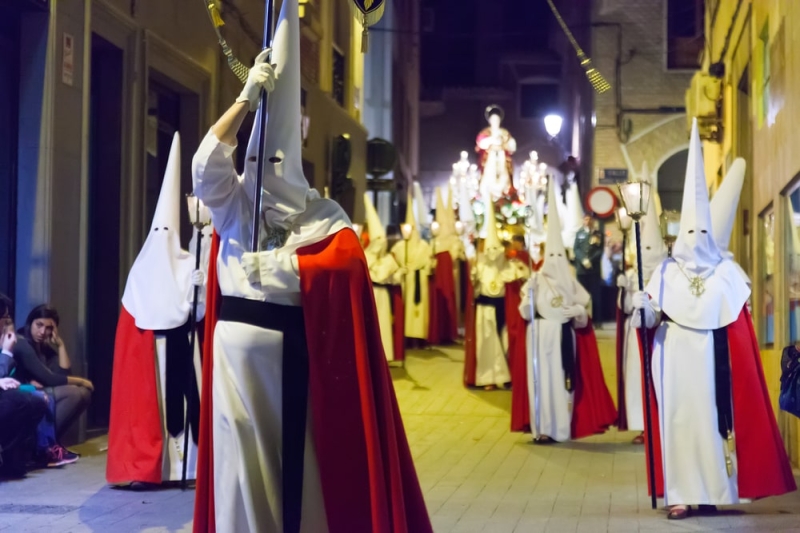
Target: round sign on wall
602 202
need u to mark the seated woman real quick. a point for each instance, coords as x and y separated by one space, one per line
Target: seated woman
42 360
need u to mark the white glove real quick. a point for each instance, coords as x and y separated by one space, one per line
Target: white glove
574 311
586 263
261 76
640 300
622 281
198 278
252 267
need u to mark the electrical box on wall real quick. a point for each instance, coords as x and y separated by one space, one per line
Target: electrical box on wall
702 99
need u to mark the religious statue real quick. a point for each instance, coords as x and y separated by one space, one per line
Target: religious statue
495 146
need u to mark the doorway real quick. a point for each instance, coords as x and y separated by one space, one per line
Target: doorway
671 175
105 174
9 104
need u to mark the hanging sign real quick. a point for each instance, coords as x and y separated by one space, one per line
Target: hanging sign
602 202
369 12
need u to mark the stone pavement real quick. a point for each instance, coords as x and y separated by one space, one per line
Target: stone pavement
476 475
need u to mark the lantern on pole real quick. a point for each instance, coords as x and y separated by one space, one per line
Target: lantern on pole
369 12
635 198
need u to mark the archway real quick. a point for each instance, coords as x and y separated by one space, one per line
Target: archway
671 175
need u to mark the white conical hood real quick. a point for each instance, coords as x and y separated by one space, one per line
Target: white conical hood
441 210
451 212
574 216
465 213
411 218
285 186
422 210
725 203
654 250
491 240
695 249
558 285
695 288
158 288
377 233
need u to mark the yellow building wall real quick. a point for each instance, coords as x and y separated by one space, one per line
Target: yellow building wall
774 157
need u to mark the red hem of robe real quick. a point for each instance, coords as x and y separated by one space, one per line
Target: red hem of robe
470 347
517 357
594 410
135 437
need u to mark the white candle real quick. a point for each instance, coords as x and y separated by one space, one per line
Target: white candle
673 228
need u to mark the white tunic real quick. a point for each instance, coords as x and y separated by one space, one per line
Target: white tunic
419 260
490 348
248 363
631 361
555 401
383 271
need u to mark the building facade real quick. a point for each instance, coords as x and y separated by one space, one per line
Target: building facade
92 92
648 51
749 58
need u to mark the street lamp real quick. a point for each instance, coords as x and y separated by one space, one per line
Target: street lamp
200 217
552 124
635 198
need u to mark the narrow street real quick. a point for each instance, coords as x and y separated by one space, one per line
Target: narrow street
477 476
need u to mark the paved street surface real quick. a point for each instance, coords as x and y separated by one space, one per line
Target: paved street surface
476 475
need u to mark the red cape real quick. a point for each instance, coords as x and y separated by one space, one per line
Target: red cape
135 438
398 322
517 356
443 323
593 410
368 478
763 466
204 518
622 418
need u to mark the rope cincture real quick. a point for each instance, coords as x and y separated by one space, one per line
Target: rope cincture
235 65
597 80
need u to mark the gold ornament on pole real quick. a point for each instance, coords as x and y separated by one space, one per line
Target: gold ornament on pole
369 12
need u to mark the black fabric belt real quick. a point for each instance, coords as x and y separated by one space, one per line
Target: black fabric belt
383 285
289 320
499 304
417 287
181 382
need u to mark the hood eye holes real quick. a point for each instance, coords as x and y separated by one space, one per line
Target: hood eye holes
252 159
155 229
275 160
552 255
647 248
703 231
691 231
166 228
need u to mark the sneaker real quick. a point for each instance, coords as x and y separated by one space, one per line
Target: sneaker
57 456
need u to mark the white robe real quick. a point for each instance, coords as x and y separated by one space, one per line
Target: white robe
248 361
491 349
383 270
631 362
417 314
555 401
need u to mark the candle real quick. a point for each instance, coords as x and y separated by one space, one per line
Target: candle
673 228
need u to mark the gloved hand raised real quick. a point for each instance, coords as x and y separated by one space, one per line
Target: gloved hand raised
640 300
261 76
198 278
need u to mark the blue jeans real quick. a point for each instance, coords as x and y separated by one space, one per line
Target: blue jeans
46 430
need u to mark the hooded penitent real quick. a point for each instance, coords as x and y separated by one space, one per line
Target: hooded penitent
422 210
377 233
704 292
285 187
492 246
560 284
158 287
654 250
724 207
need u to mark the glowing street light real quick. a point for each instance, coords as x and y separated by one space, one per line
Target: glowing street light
552 124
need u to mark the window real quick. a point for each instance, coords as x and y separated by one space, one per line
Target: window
536 100
685 33
767 281
338 77
793 264
341 46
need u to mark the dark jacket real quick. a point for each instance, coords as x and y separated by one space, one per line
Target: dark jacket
42 368
588 245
